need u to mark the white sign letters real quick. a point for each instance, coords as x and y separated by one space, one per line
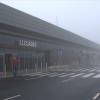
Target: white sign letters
27 43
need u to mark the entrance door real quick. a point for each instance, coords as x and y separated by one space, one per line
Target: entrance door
2 66
31 62
1 62
41 62
8 62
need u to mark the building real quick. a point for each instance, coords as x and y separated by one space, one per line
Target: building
38 44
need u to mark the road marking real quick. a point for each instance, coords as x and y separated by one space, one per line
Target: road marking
97 76
42 74
27 74
98 70
77 75
92 70
13 97
78 69
88 75
57 75
67 80
34 75
67 75
30 74
96 96
85 70
33 78
51 73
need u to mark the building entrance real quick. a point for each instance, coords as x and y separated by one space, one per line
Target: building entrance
1 63
26 63
31 62
5 64
8 64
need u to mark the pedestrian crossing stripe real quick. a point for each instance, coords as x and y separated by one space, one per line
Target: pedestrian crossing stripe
88 75
77 75
57 74
42 74
66 75
97 76
98 70
62 75
92 70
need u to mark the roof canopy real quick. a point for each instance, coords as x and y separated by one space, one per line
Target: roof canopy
14 17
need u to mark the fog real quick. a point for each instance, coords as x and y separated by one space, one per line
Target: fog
81 17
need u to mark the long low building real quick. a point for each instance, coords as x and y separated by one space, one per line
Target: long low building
38 44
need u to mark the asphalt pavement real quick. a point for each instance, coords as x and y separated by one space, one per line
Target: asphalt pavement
81 84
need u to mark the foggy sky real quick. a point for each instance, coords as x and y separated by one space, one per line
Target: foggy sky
81 17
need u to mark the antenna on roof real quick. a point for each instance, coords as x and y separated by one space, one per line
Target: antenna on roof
57 22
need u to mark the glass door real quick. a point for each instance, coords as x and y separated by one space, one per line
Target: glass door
40 62
21 59
1 63
2 74
8 64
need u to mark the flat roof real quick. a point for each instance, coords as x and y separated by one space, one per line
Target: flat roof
14 17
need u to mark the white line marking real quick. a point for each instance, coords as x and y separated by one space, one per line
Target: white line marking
27 74
67 75
57 75
33 78
52 73
85 69
97 76
12 97
98 70
67 80
92 70
88 75
96 96
34 75
78 69
82 70
42 74
31 74
77 75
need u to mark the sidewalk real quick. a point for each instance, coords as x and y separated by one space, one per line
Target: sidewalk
20 73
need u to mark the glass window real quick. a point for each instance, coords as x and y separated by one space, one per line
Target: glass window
1 63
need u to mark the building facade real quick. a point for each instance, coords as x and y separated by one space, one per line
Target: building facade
38 45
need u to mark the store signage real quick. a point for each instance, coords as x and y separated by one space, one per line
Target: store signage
27 43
